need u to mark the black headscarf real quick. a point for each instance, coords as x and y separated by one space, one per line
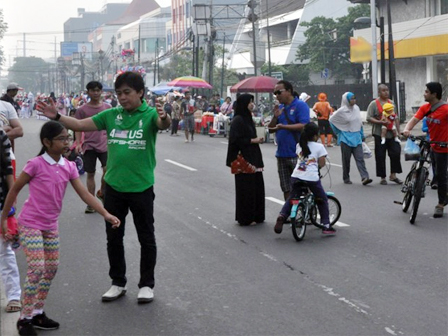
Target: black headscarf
242 109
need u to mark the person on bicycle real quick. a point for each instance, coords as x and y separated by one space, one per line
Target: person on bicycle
436 113
311 157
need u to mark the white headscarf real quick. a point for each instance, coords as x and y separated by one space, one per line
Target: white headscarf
347 118
304 96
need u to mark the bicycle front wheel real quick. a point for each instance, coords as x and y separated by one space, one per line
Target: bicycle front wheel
334 211
418 192
298 223
407 198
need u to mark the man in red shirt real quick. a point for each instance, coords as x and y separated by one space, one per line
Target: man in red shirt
437 121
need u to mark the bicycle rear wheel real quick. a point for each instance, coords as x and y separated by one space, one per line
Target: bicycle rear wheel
418 192
408 184
334 209
298 223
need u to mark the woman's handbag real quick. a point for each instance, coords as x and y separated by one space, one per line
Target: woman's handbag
241 166
366 151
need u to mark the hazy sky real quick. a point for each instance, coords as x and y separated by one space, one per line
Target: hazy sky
43 20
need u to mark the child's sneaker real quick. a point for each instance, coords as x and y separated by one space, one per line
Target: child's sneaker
397 139
26 328
383 141
329 231
41 321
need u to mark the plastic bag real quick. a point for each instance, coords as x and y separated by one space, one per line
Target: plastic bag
366 151
411 147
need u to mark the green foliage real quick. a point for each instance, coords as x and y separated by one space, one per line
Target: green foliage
321 51
297 74
28 72
3 27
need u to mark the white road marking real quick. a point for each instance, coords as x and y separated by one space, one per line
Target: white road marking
276 200
181 165
336 165
225 143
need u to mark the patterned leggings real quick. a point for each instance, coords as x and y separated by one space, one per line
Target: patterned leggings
42 256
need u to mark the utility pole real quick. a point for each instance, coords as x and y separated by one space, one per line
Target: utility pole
211 48
139 43
374 49
392 77
269 39
254 45
222 67
155 60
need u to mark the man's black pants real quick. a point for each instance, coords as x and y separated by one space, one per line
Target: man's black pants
393 149
141 205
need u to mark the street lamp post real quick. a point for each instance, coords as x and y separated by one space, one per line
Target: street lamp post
374 49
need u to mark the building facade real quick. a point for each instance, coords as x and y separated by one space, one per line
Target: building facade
420 35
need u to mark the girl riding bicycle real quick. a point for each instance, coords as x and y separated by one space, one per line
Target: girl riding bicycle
311 157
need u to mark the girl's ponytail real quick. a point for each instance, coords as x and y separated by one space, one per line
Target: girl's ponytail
309 132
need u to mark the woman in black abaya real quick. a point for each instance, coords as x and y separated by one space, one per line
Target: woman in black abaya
249 187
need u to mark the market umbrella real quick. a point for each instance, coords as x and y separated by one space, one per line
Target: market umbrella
161 90
190 81
255 84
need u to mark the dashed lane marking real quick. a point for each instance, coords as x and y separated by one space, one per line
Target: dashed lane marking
276 200
180 165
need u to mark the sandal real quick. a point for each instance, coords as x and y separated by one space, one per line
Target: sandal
13 306
396 180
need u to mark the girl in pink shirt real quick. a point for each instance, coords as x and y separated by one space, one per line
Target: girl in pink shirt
47 175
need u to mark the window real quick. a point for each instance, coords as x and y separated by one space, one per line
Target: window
174 15
443 7
436 7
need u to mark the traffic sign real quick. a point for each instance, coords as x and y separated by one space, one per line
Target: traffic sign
324 73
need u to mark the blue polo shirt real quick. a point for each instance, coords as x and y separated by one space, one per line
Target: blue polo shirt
299 113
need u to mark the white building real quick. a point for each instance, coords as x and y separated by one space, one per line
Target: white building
286 34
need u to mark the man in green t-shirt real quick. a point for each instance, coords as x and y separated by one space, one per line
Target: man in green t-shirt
131 137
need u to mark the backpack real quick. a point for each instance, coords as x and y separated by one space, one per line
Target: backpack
168 108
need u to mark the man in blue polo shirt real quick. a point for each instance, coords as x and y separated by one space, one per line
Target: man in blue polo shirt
289 119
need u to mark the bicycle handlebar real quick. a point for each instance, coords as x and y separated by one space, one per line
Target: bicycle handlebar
422 139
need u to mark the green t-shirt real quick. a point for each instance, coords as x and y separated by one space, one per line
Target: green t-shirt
131 147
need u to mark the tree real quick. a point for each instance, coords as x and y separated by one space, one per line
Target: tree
28 71
3 27
321 51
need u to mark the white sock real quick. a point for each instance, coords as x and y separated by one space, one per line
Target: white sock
37 312
383 141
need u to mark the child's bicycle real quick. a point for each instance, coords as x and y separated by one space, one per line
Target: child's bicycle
304 212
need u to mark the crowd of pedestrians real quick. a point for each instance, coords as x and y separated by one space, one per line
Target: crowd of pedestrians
121 134
299 156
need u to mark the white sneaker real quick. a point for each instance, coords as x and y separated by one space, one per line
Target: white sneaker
114 293
145 295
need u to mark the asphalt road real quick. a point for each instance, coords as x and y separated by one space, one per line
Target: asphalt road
379 275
